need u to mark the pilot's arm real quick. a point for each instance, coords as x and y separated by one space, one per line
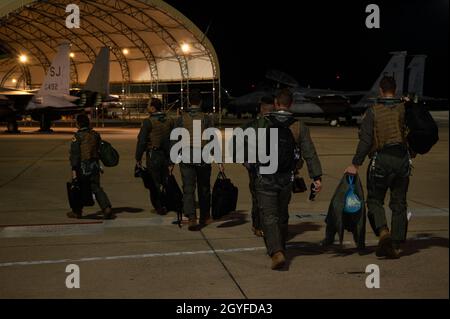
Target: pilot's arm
141 145
365 138
309 154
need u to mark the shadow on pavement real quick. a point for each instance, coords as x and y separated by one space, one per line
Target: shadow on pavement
301 228
233 219
421 242
115 210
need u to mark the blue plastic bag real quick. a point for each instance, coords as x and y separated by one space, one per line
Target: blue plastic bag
352 202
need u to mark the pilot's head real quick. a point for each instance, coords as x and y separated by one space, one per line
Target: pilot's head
155 105
266 105
83 121
283 100
388 86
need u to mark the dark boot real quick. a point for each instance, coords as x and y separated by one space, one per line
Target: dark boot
278 260
108 214
205 220
75 214
385 245
257 232
192 223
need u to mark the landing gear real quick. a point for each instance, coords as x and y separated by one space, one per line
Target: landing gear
45 124
349 121
12 126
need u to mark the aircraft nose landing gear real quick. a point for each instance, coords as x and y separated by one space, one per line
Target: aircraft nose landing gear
45 123
12 126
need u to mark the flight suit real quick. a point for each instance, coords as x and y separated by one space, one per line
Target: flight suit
383 138
195 175
153 139
259 122
84 159
274 190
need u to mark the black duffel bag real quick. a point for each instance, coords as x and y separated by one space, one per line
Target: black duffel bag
172 196
79 194
224 196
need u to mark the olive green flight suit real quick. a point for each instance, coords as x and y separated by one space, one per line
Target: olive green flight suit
153 139
383 137
84 159
196 175
274 192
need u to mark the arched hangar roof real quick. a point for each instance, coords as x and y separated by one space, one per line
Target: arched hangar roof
149 41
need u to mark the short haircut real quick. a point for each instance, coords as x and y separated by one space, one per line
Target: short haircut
156 103
387 84
195 97
284 97
83 120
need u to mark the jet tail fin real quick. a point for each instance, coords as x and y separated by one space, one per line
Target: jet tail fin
396 68
416 75
98 79
57 79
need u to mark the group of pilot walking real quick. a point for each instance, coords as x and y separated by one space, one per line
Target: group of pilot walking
382 137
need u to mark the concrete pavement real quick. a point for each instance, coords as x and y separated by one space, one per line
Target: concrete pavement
142 255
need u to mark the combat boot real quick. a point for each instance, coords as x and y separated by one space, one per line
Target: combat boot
205 220
192 223
385 245
278 260
75 214
257 232
108 213
161 211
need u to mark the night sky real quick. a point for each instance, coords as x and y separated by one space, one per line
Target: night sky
317 40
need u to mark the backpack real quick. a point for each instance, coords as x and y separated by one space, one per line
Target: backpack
108 155
423 131
288 152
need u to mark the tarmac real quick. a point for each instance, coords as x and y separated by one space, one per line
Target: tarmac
143 255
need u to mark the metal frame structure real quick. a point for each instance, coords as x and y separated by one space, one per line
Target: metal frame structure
37 27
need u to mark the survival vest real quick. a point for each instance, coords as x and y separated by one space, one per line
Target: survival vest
160 128
389 125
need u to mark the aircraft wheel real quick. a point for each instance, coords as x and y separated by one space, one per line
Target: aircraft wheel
45 125
12 127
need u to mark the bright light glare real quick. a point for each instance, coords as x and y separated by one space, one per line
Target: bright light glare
72 55
185 48
125 51
23 58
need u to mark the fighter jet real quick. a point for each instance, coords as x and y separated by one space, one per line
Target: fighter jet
55 98
329 104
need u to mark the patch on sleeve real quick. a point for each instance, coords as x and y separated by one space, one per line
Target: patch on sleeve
74 139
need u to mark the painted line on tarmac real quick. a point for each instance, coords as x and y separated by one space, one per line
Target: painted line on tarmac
32 164
179 253
141 256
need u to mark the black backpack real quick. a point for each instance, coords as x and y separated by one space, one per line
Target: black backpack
423 131
108 154
286 146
